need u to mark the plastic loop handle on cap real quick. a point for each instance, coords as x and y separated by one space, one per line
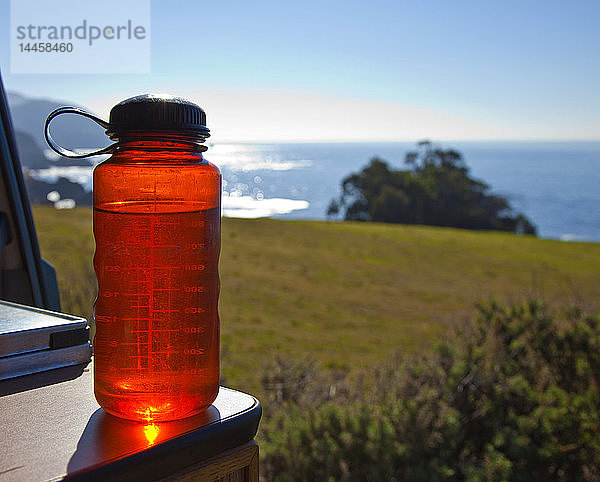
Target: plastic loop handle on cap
72 154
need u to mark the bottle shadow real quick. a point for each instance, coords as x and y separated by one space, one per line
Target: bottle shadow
110 445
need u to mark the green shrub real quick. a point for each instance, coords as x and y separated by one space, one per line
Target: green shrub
514 396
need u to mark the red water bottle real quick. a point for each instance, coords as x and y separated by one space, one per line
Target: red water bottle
157 219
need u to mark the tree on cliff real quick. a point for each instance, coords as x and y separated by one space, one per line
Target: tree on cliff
435 189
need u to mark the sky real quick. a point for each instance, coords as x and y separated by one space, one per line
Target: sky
361 71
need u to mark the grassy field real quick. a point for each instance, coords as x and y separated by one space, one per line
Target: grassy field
345 294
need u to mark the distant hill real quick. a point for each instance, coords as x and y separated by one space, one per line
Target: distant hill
30 154
29 116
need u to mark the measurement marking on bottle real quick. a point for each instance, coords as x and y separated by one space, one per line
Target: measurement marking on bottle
106 319
165 311
154 331
194 289
136 294
193 351
194 310
140 306
166 289
195 267
151 245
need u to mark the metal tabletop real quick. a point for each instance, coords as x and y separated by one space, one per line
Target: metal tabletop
59 431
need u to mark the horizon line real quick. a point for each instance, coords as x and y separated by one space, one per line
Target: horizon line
374 141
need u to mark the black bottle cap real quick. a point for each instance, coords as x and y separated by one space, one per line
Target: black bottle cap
160 113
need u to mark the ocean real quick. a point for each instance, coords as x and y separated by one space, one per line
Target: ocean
555 184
